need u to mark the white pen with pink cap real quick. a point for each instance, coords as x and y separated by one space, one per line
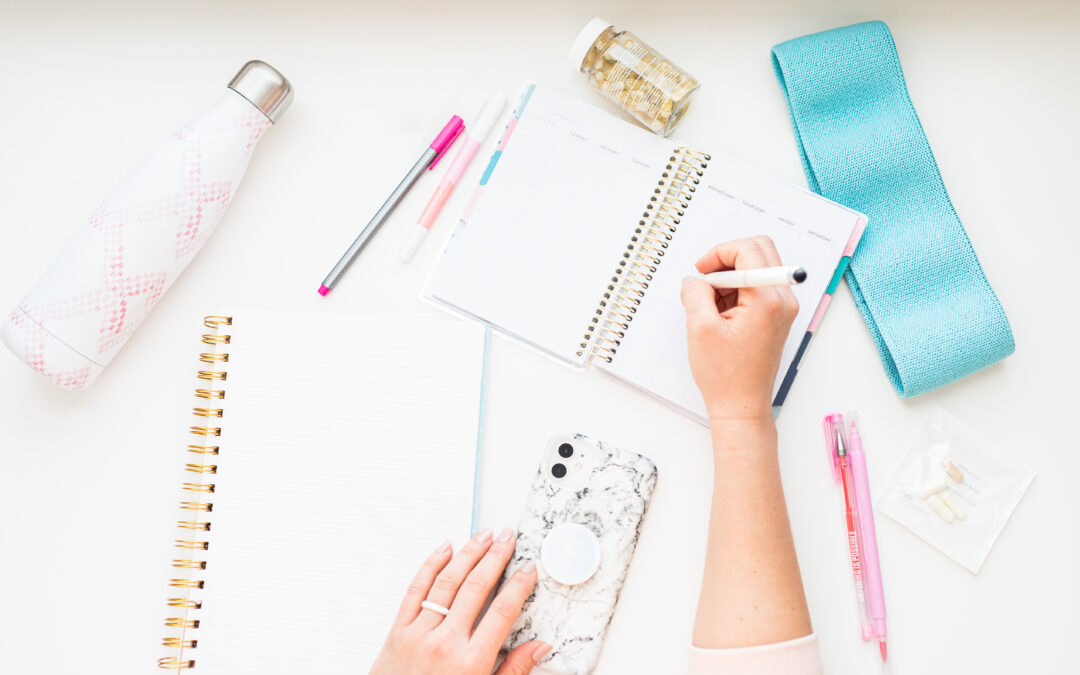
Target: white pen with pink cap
477 134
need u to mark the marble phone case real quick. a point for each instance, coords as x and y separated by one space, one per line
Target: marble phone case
611 501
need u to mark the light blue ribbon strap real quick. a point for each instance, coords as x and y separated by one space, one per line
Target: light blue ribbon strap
915 277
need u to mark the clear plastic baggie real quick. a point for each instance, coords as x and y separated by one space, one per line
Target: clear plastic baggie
956 489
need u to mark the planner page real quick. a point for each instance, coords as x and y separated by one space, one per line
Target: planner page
348 453
734 200
554 212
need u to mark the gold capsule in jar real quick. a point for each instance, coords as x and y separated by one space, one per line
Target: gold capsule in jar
655 91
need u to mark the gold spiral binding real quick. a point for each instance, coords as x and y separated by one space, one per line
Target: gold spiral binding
183 602
173 663
194 506
186 583
189 564
177 642
643 255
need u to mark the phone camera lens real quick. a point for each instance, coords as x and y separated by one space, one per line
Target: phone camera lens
558 470
566 450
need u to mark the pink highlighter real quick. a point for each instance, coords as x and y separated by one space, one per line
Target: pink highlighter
478 133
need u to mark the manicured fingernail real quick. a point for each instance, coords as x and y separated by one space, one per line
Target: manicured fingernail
541 652
443 547
505 535
528 568
483 536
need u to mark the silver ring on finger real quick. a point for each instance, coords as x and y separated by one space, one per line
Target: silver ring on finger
435 607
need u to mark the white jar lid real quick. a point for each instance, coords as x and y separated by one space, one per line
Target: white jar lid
585 39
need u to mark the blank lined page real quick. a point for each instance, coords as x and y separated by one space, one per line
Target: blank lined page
348 453
550 225
733 201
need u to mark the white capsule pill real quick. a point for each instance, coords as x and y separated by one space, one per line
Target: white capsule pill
954 471
939 508
953 502
933 486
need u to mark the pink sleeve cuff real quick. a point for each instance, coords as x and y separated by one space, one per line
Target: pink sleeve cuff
794 657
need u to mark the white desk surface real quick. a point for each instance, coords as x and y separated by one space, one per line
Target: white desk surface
89 486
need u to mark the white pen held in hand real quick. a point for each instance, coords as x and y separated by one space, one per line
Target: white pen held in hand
760 276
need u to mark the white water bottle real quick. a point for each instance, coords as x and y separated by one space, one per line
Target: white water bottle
75 319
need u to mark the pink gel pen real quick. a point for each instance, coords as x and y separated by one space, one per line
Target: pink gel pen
485 122
868 539
844 475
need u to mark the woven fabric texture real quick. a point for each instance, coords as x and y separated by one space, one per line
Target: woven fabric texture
915 277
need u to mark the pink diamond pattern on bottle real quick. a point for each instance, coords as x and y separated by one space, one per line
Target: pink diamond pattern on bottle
72 323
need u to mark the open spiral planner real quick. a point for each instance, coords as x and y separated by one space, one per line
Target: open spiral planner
583 226
328 456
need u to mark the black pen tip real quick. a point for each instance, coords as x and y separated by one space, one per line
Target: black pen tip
799 275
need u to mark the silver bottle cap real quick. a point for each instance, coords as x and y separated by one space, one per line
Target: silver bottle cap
265 87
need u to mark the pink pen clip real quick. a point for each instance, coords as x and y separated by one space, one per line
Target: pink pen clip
446 138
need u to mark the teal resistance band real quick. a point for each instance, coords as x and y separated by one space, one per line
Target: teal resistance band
914 276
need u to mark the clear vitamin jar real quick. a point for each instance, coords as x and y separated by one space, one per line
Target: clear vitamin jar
639 79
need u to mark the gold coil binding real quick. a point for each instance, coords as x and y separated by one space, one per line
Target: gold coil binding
643 255
174 663
184 602
177 642
195 505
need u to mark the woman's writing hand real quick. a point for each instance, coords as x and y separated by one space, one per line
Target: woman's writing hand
736 335
423 641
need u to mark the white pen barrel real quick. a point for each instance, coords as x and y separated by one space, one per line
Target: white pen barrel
767 276
762 276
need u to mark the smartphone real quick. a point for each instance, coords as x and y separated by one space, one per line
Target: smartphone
580 525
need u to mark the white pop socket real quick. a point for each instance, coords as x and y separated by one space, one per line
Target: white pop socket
570 554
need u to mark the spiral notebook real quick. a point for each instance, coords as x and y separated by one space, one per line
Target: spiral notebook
330 455
583 226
